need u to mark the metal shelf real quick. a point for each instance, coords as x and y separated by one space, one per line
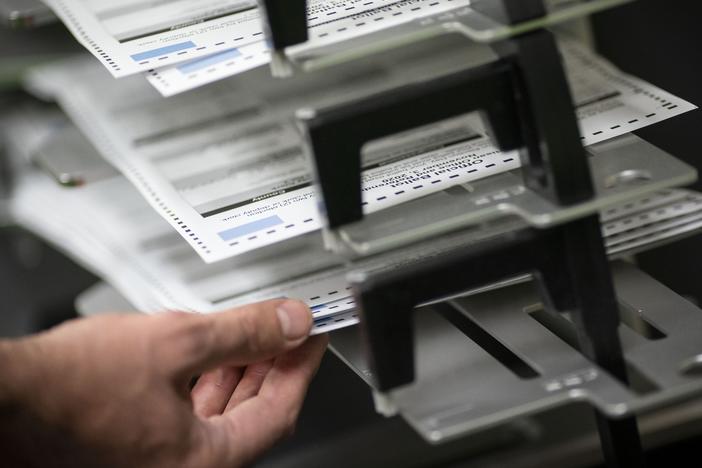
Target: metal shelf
473 391
623 169
465 21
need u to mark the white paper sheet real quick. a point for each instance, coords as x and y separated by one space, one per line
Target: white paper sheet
134 250
110 229
329 22
226 169
132 36
225 36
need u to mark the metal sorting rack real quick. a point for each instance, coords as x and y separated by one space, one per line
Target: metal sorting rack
626 168
514 350
526 102
519 360
470 22
639 225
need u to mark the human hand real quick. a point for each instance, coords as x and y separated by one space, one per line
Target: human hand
115 390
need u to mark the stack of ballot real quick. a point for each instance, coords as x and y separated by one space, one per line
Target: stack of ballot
208 200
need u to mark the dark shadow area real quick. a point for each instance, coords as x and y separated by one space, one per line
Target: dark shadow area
38 285
661 42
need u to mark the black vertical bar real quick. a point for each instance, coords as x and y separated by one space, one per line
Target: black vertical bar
596 315
285 22
387 331
596 319
621 443
337 135
386 300
510 11
554 160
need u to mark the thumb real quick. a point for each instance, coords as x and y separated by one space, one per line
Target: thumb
244 335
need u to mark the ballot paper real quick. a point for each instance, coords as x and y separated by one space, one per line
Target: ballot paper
328 22
132 36
226 167
216 37
149 265
109 228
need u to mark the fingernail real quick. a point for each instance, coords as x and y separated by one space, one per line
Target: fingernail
295 319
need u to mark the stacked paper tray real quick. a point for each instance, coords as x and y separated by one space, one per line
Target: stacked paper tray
108 227
215 205
180 46
226 166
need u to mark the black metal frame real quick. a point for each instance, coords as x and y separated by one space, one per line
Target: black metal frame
527 101
570 266
343 131
285 22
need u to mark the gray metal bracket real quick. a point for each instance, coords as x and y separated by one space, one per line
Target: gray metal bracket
465 21
626 168
461 388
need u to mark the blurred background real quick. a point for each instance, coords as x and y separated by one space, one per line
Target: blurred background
655 40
